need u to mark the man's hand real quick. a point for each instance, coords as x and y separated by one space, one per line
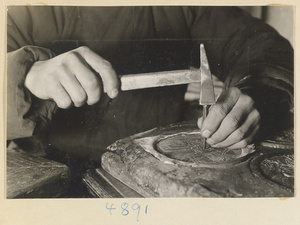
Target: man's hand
232 122
71 78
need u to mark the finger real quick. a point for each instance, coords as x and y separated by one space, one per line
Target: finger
105 70
199 122
60 96
233 120
87 79
194 87
243 143
73 88
190 96
242 132
219 111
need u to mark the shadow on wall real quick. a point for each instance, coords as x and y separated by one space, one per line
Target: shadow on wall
279 17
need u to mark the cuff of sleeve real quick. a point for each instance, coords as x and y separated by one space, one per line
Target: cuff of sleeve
272 90
23 114
265 78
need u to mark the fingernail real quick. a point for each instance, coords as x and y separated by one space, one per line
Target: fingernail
206 134
114 93
210 141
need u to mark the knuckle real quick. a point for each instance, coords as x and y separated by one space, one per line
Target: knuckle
240 133
71 57
64 103
78 104
217 137
79 99
219 109
106 64
255 117
233 122
63 69
235 90
93 99
92 84
81 96
54 88
51 80
244 143
83 49
63 73
248 100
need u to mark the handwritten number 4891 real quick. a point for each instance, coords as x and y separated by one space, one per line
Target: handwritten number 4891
126 209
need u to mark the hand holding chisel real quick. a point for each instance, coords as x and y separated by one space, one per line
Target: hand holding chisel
156 79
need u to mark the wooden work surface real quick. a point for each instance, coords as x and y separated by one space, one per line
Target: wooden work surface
167 162
35 177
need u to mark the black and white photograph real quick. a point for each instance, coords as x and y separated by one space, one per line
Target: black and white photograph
150 102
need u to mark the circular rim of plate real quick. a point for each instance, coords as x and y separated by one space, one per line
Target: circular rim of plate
194 164
256 168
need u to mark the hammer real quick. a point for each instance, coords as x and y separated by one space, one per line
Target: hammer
176 77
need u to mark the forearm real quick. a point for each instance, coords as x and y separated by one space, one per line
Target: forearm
274 105
25 114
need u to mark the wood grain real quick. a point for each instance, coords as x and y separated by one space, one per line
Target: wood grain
35 177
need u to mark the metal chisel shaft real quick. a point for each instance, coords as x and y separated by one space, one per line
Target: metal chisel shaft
205 109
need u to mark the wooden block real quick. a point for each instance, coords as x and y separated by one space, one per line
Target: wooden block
169 162
35 177
102 185
98 187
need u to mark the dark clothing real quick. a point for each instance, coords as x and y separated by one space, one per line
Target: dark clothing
241 50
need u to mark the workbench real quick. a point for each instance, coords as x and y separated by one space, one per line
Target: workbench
130 171
156 163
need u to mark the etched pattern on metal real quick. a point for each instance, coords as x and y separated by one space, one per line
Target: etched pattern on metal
188 147
279 169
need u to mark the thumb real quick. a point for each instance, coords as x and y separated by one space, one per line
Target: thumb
199 122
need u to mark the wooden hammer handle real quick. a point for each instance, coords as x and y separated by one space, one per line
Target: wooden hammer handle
158 79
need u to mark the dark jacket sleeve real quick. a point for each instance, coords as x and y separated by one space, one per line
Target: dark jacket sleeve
25 113
247 53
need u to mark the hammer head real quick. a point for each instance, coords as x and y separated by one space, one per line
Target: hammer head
207 95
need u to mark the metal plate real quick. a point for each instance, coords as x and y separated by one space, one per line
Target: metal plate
282 140
276 167
185 148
